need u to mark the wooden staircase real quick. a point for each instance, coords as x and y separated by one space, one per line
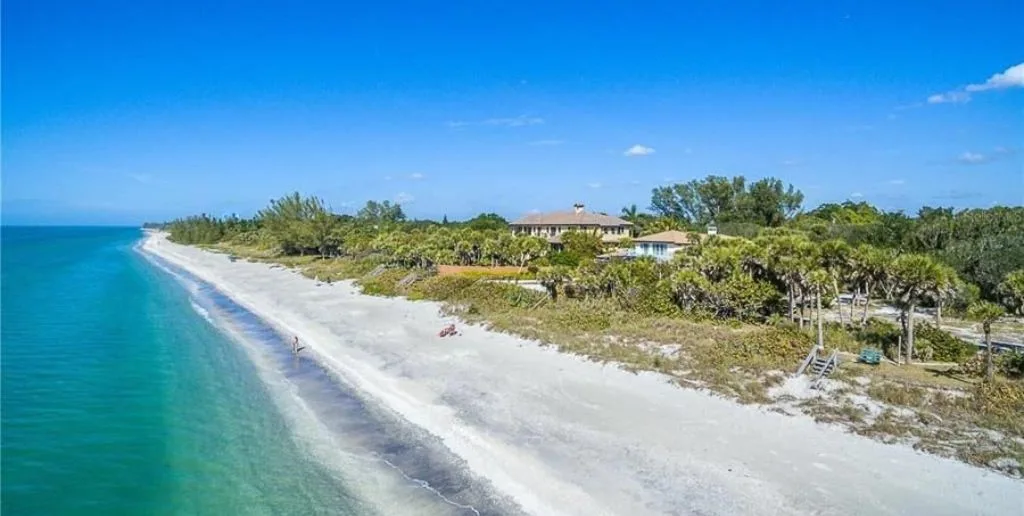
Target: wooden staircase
819 365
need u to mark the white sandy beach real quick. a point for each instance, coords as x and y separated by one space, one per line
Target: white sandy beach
560 435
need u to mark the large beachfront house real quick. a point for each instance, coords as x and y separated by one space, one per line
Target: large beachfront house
661 246
552 225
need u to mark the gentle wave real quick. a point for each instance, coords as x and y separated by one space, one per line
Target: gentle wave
201 311
341 429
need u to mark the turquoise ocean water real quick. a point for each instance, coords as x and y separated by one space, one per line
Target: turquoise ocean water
119 398
131 387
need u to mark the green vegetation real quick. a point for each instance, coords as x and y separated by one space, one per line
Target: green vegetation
986 313
1012 290
732 315
721 199
788 271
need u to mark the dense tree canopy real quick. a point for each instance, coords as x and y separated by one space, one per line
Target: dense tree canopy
940 258
487 221
717 199
384 212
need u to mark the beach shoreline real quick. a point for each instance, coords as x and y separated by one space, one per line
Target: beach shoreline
561 435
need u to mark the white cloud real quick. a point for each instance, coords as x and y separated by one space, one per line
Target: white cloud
634 182
594 185
518 121
1012 77
856 195
638 150
387 178
791 162
952 97
972 158
142 178
416 175
547 142
404 198
976 158
897 182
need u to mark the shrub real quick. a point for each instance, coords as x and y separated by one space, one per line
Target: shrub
838 337
442 288
898 394
497 275
475 296
944 346
584 316
1001 403
383 284
769 348
964 296
880 334
563 258
1012 364
336 269
648 301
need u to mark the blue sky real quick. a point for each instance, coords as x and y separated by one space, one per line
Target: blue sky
118 112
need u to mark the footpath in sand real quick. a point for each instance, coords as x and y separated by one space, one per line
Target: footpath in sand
560 435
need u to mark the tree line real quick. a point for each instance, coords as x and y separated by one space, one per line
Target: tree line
784 274
787 262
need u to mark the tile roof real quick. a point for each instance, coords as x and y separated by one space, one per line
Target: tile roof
669 237
568 218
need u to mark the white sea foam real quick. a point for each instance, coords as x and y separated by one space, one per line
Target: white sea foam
200 310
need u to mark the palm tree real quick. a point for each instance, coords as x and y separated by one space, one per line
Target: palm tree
554 277
1012 289
688 288
869 268
789 258
914 276
632 215
526 248
663 224
819 282
986 313
944 288
834 258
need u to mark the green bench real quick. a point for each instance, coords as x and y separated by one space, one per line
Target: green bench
870 356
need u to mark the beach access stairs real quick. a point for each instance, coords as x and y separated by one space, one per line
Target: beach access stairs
819 365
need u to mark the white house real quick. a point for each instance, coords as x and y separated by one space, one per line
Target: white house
661 246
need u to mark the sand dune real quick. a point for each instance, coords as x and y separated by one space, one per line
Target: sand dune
560 435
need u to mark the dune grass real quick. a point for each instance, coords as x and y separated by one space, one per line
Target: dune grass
928 406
